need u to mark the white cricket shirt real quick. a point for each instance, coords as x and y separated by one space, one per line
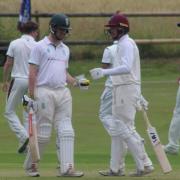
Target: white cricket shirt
127 55
52 62
108 57
19 50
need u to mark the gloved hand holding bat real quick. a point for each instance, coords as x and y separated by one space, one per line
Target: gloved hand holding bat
82 82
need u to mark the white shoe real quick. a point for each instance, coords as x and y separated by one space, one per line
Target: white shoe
170 150
148 169
111 173
32 172
71 173
137 173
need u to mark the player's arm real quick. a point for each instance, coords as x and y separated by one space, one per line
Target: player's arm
6 72
70 80
78 81
33 69
127 62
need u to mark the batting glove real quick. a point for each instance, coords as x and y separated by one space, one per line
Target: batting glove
141 104
28 103
82 82
96 73
144 103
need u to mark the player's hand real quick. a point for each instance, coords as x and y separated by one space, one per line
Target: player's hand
96 73
28 103
144 103
178 80
141 104
5 87
84 84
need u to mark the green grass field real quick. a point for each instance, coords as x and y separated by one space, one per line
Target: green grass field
92 144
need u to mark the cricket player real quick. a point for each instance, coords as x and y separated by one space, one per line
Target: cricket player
47 85
117 163
119 99
17 63
174 130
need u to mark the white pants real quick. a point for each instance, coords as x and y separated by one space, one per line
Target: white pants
55 109
174 129
118 145
18 88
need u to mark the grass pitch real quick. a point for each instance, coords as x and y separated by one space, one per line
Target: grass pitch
92 144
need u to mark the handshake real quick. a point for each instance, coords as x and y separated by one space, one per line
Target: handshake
83 83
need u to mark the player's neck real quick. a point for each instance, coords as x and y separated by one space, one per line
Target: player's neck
54 40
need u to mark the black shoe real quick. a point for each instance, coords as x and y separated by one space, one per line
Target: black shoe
23 147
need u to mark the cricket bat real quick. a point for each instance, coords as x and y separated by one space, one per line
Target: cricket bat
157 146
33 142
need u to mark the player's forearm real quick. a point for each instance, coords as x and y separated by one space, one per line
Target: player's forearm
70 80
6 70
117 70
31 87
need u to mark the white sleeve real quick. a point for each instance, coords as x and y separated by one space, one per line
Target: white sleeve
35 56
67 60
107 56
10 51
117 70
127 59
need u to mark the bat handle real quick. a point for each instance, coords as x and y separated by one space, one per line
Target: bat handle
30 122
146 118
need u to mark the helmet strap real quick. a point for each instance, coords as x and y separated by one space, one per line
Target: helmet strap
121 32
53 31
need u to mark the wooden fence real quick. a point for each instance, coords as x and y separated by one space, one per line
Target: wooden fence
37 16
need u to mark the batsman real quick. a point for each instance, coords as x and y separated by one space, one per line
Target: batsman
48 78
120 98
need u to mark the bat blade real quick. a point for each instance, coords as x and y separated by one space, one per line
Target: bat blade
158 149
33 142
157 146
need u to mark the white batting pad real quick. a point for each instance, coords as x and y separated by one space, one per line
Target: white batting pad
44 132
66 144
136 151
118 152
147 161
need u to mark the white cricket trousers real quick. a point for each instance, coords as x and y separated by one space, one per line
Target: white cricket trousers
123 111
17 89
118 146
174 129
55 109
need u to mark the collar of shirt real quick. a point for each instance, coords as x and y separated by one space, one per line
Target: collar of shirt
27 37
123 37
48 42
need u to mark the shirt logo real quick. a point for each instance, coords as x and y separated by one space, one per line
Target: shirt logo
53 59
48 50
